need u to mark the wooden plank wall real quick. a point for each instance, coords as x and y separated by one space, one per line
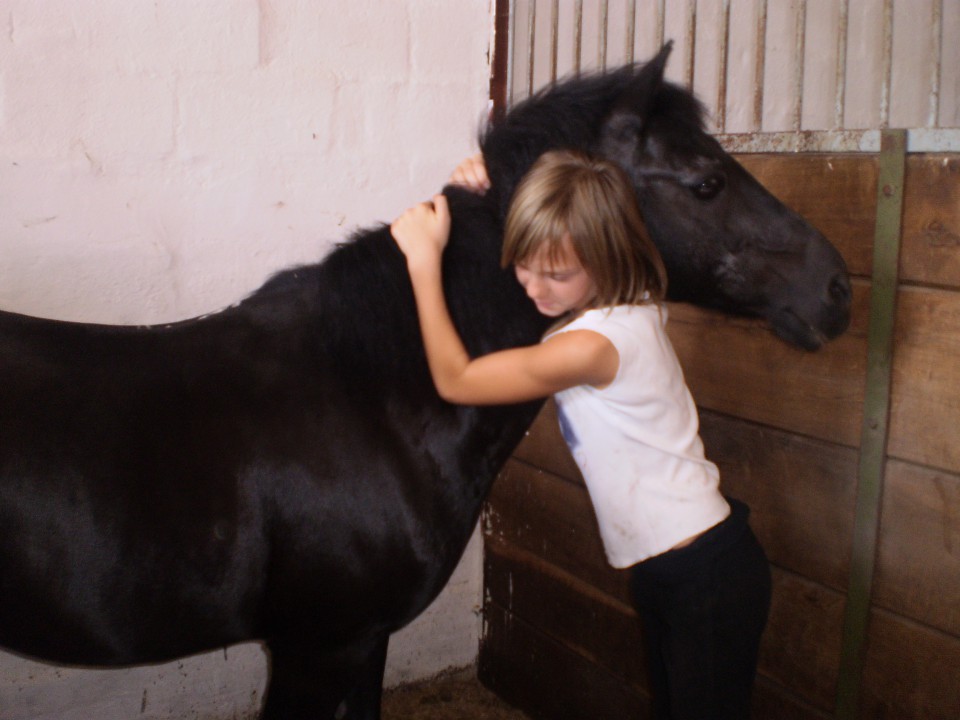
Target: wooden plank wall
560 639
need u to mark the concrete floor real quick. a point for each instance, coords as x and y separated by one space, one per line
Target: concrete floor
454 695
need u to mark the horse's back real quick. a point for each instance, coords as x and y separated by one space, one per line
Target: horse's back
170 489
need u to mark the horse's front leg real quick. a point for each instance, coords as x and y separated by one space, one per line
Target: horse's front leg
363 702
313 683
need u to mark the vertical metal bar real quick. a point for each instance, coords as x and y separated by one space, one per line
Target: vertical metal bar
531 37
691 32
760 67
886 73
876 412
839 103
512 40
933 116
661 22
602 40
721 114
577 35
799 51
554 39
500 66
631 38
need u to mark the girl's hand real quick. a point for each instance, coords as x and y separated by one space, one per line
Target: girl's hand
422 232
472 175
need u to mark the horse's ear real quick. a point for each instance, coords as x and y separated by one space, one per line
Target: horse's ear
624 125
642 88
660 59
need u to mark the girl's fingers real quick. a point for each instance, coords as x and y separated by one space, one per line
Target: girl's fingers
472 174
440 207
427 223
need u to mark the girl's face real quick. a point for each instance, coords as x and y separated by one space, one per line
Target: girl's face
556 286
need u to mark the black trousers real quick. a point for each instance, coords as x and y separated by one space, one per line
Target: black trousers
704 608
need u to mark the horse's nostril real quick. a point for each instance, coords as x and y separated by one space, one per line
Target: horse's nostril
839 289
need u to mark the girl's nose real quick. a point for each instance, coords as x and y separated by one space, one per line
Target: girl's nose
534 288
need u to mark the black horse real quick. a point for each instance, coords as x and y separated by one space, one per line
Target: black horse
284 470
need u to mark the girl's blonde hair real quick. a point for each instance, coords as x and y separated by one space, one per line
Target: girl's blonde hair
590 200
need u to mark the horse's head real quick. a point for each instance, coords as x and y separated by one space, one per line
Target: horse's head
726 242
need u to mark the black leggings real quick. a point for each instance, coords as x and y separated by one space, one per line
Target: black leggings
703 609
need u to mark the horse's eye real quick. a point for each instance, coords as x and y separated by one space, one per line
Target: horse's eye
709 187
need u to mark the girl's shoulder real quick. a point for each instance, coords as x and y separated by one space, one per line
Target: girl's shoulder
637 316
626 326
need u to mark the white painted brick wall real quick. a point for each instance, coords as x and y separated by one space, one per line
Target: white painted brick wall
159 160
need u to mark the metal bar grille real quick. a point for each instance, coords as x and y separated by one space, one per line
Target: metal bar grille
807 75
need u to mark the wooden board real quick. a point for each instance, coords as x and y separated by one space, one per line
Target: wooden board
925 409
800 650
834 193
918 562
772 701
800 491
911 671
551 517
930 244
545 679
607 631
837 195
739 368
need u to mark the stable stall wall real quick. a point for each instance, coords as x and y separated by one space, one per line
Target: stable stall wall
857 503
785 428
159 160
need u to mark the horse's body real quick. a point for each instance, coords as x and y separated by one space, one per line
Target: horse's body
283 470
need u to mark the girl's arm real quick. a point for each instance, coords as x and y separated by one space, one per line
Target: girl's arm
579 357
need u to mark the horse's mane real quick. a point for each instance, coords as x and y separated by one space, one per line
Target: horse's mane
566 115
355 307
352 308
571 114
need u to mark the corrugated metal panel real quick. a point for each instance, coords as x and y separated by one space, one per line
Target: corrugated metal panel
776 76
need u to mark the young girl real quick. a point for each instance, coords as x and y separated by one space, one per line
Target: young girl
700 581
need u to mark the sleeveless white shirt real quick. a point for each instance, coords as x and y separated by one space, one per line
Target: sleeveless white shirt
637 441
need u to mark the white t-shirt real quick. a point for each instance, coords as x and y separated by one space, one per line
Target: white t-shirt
637 441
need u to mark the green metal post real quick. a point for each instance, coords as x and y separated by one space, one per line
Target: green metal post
876 408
